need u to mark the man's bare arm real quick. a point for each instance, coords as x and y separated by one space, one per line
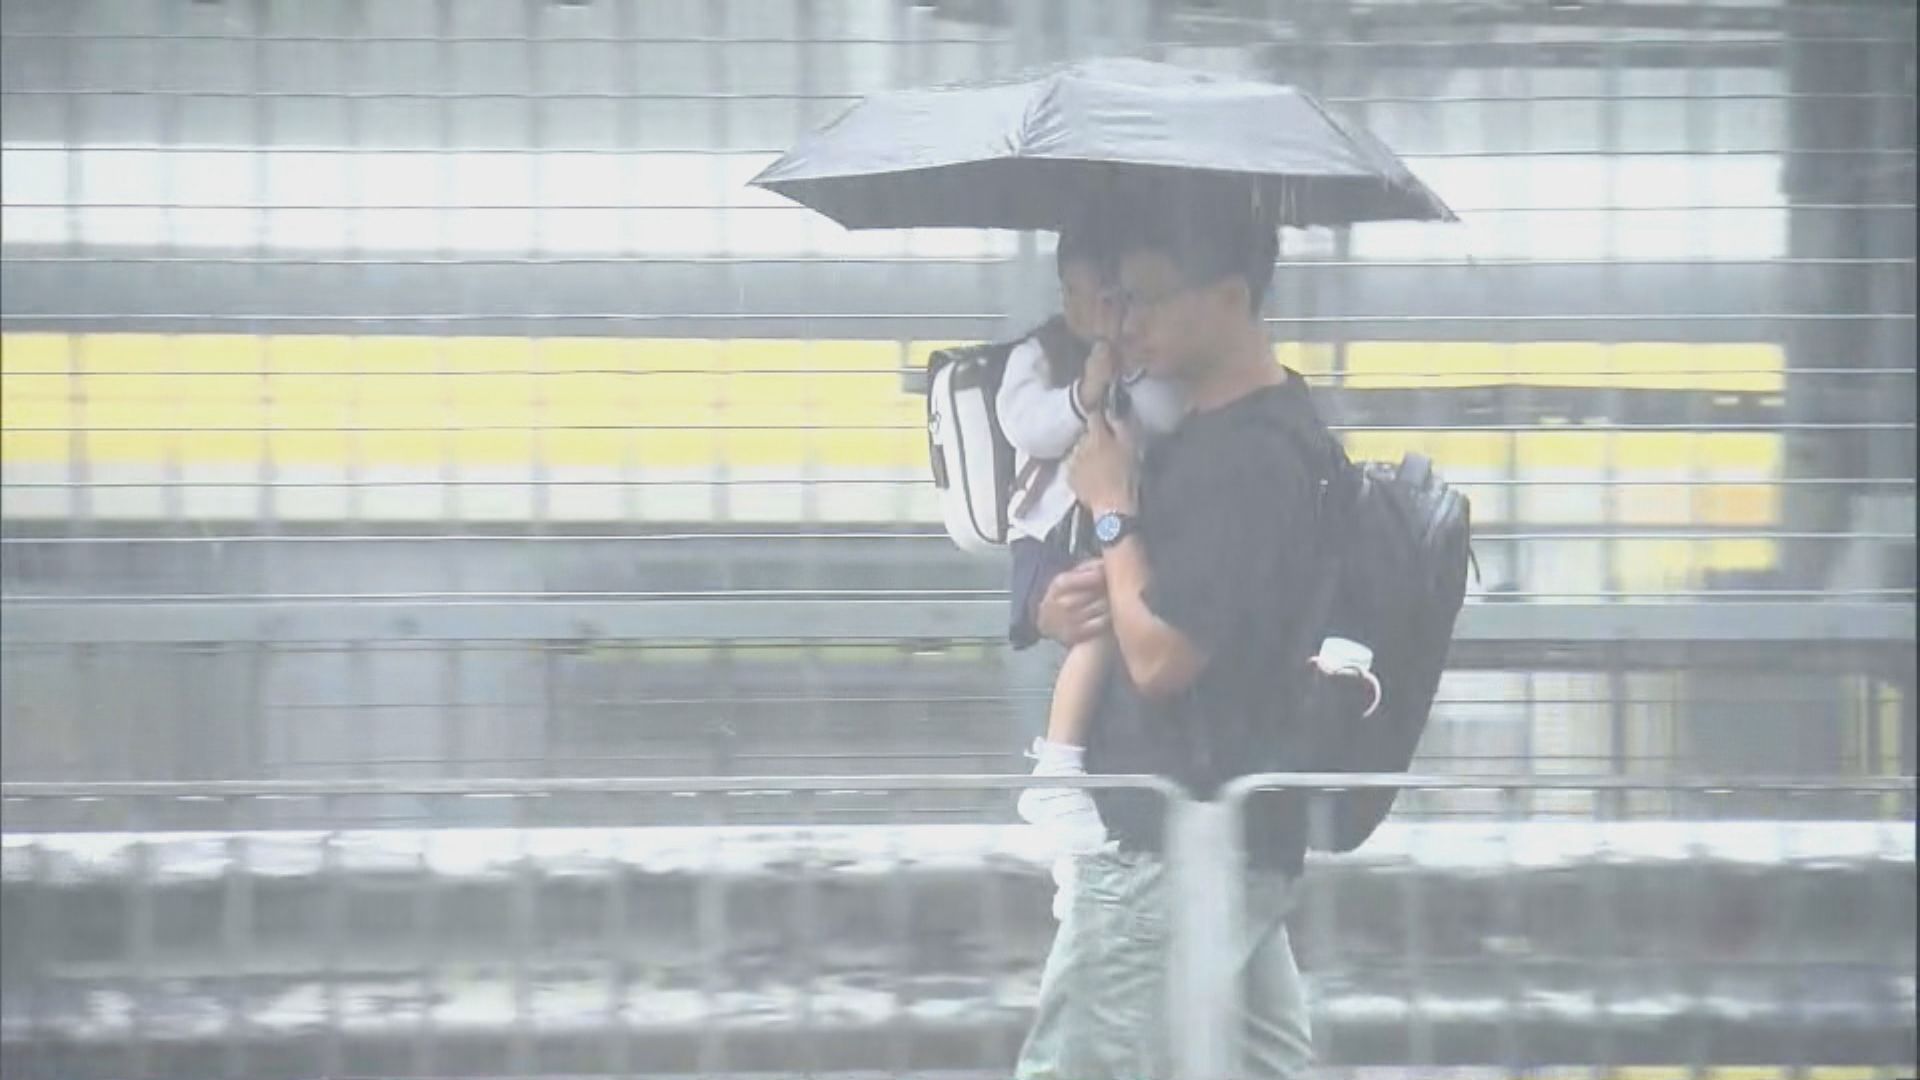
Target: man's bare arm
1160 659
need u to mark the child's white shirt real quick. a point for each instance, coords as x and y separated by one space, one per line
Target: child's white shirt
1043 422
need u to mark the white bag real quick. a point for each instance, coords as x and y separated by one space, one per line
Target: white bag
972 460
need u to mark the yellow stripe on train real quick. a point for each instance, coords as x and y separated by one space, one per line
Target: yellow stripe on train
679 404
636 429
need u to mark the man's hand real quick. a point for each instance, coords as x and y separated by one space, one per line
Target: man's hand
1101 469
1074 607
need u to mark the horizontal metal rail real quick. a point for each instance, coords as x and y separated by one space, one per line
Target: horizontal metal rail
215 93
532 788
52 622
901 595
825 478
669 785
1291 262
268 37
713 151
1483 537
1761 425
1330 380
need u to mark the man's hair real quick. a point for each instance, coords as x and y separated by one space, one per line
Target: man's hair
1207 239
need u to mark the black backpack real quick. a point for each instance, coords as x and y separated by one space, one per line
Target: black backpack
1394 542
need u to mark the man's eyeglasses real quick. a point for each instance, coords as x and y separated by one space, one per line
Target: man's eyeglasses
1126 300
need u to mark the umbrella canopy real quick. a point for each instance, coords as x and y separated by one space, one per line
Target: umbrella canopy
1027 153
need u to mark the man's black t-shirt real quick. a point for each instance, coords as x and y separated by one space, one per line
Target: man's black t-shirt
1227 515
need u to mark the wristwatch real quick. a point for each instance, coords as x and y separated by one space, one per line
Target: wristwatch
1111 528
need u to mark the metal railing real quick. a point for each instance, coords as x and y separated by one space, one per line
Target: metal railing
355 324
406 393
1590 966
724 684
711 926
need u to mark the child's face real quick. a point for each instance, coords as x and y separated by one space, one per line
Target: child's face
1086 301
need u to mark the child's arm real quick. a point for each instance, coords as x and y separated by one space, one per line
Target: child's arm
1040 420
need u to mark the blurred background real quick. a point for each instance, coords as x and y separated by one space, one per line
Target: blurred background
408 390
322 318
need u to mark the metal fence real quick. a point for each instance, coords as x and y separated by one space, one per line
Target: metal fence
398 393
523 689
403 388
711 927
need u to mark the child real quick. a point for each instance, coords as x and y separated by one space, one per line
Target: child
1053 381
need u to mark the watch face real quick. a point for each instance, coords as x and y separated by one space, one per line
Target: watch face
1108 528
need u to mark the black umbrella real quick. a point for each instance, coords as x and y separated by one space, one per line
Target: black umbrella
1027 153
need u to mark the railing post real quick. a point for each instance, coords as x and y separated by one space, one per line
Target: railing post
1206 898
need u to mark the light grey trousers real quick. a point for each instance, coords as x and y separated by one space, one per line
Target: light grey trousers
1103 995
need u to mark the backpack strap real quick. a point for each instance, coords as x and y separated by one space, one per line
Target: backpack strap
1318 612
1330 472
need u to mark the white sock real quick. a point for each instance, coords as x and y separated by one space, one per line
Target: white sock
1058 759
